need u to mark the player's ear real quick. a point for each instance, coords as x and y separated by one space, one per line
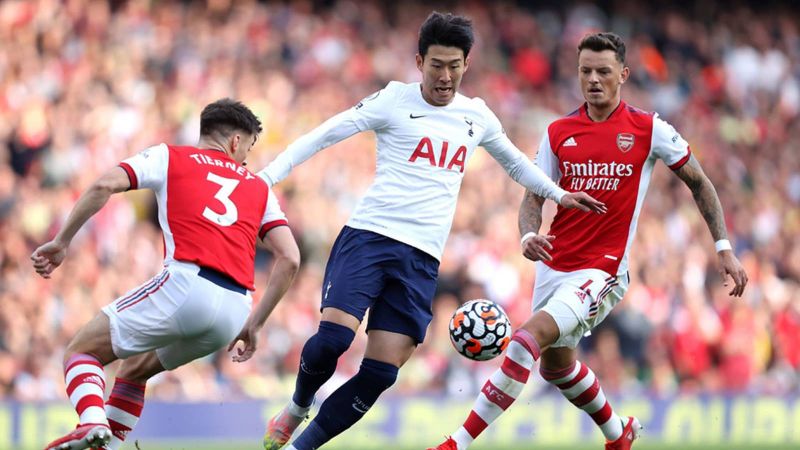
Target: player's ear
235 139
623 76
420 61
466 63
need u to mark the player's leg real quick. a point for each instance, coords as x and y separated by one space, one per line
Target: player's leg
574 379
545 327
124 405
184 316
353 280
386 353
115 333
505 385
398 321
580 386
318 361
86 355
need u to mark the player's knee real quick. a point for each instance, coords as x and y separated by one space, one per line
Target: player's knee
330 342
335 338
543 328
76 348
378 373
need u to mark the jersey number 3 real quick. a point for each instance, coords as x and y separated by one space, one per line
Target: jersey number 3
227 186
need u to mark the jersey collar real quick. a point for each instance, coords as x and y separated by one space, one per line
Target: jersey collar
617 111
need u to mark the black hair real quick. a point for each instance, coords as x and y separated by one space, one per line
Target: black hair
447 30
227 115
604 41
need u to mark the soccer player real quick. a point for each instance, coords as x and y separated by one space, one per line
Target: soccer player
608 148
211 211
386 258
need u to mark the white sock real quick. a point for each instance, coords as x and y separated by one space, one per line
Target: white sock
297 410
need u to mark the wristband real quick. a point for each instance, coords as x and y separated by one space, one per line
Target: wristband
722 244
526 236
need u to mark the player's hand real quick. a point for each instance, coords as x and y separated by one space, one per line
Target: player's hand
729 265
249 337
584 202
535 247
47 257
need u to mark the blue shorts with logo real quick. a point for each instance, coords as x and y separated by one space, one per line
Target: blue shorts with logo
395 281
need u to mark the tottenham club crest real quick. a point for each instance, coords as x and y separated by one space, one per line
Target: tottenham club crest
625 142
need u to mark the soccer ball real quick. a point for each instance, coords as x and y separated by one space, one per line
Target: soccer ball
480 330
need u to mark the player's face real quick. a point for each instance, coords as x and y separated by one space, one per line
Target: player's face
442 69
601 76
241 143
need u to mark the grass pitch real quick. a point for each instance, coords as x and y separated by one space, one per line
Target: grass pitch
640 446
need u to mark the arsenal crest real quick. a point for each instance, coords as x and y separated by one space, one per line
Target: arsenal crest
625 142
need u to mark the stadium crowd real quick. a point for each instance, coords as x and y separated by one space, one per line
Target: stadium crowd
84 84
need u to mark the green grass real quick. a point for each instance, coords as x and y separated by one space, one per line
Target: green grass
641 446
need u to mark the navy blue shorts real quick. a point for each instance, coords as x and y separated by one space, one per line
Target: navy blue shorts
395 281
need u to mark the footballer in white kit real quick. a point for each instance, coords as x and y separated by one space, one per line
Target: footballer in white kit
422 151
386 258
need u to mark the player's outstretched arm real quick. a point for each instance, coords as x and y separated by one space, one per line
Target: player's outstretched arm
534 246
533 178
705 196
281 243
50 255
584 202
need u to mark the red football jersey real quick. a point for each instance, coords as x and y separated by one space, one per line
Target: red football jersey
612 161
210 208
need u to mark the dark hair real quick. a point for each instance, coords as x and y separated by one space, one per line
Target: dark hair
227 115
447 30
604 41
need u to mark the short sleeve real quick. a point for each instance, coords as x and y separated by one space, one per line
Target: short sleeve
669 145
148 168
273 216
373 111
547 160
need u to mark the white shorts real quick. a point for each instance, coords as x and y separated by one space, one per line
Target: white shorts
183 313
578 301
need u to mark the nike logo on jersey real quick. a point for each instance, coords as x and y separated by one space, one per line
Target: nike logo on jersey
412 116
570 142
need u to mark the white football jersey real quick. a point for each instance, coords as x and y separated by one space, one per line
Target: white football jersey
422 152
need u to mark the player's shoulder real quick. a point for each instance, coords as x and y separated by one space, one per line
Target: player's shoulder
566 123
179 149
392 93
398 88
638 116
153 153
476 104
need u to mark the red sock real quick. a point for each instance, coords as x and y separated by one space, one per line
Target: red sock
501 389
86 385
123 408
580 386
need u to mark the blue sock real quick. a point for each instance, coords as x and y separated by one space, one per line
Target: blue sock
318 360
348 404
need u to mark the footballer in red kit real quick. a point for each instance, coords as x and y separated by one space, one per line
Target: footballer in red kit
213 223
613 160
608 149
211 211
